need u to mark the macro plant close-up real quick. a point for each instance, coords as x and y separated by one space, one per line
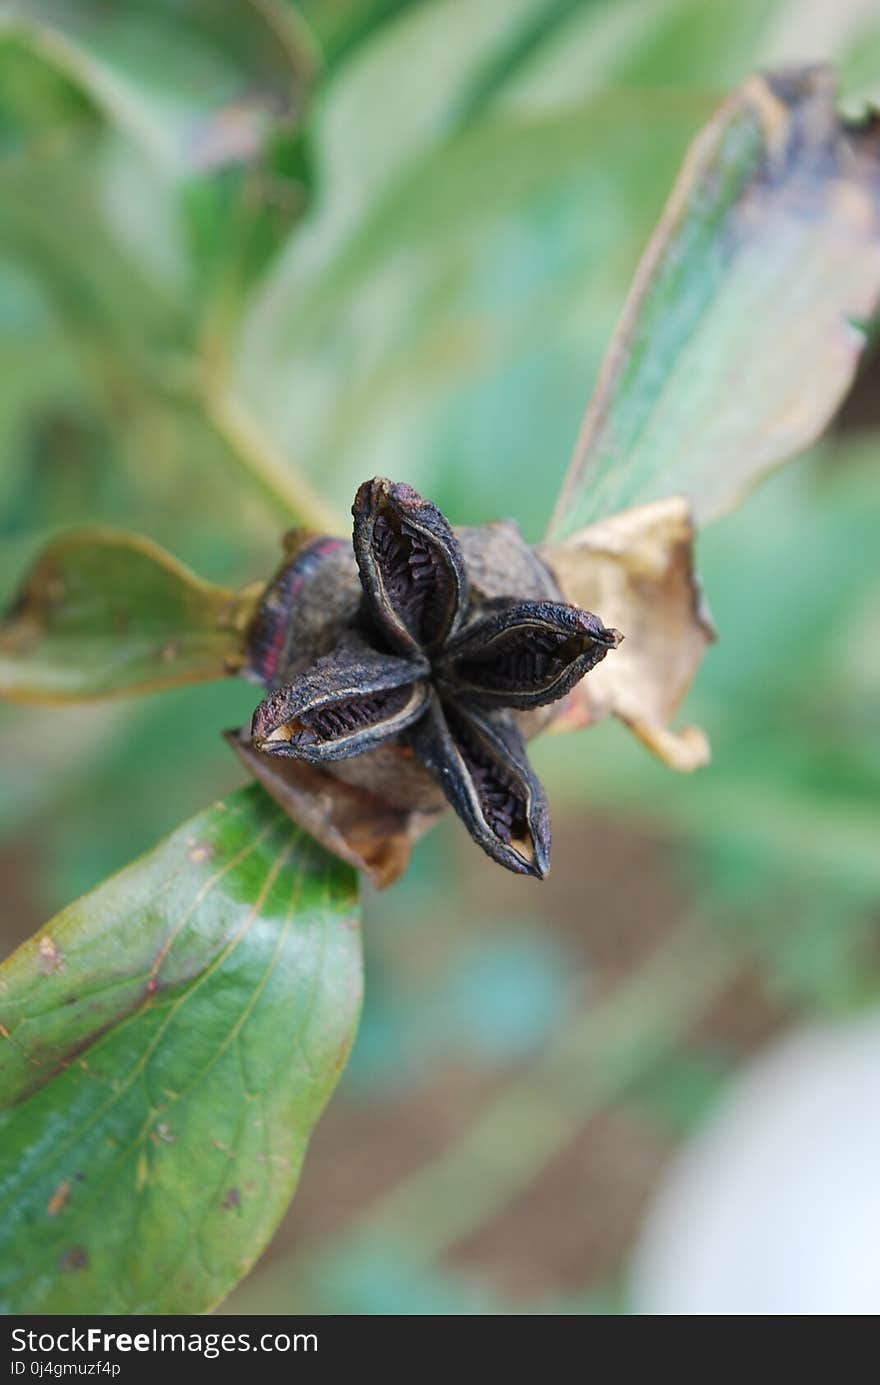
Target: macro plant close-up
438 834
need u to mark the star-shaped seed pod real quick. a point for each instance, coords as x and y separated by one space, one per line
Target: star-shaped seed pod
425 662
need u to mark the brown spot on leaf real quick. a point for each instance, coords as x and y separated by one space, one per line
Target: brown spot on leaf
58 1198
54 591
232 1199
142 1172
51 960
74 1259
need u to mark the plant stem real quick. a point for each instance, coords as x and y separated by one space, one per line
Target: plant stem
264 459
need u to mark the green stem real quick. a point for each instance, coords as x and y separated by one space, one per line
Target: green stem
263 458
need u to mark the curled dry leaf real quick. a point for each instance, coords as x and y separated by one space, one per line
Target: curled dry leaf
637 569
359 825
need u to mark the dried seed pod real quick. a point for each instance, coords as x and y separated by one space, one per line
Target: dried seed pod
390 670
525 655
501 566
480 761
345 704
411 567
313 597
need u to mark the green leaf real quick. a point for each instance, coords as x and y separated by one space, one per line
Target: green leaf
103 614
744 327
671 44
457 322
449 294
146 223
166 1046
197 86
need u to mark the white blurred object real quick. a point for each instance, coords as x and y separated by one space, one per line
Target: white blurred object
774 1207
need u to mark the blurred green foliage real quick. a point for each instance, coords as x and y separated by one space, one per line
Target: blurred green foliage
397 236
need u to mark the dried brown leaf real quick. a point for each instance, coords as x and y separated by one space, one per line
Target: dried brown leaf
637 570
